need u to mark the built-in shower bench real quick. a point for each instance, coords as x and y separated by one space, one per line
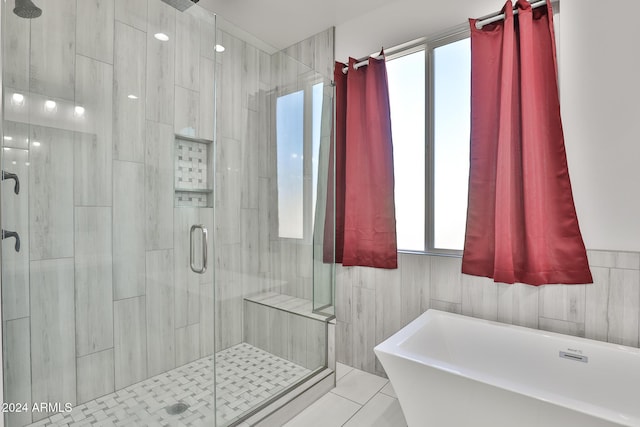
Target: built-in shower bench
287 327
295 305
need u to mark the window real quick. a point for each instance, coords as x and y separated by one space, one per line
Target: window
297 149
429 92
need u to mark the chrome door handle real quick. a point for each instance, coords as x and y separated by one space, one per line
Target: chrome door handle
205 244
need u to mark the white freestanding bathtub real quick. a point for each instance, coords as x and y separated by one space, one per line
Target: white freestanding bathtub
450 370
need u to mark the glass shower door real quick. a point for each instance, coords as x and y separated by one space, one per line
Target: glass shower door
108 126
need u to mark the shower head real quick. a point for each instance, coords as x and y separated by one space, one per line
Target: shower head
26 9
181 5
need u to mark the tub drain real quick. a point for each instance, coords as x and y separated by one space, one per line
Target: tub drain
177 408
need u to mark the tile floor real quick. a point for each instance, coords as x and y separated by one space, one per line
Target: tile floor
359 400
246 376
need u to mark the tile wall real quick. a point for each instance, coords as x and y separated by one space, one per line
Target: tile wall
101 295
372 304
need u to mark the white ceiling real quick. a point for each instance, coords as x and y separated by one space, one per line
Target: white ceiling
282 23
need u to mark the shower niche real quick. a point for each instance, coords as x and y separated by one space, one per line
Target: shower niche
193 180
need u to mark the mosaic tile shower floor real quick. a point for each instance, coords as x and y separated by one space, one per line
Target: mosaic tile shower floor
246 376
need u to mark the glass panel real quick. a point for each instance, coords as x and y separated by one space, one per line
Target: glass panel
268 135
407 101
452 92
290 147
100 305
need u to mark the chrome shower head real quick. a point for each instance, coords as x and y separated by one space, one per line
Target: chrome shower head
26 9
181 5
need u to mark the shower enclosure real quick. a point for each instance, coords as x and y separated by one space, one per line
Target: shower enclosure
164 186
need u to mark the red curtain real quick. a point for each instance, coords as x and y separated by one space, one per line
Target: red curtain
521 220
364 200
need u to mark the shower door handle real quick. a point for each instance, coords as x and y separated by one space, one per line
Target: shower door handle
205 244
13 176
6 234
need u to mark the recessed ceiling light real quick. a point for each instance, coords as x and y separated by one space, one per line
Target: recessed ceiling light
50 105
36 144
8 138
17 99
27 163
78 111
132 96
219 48
161 36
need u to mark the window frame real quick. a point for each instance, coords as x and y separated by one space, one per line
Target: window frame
429 45
305 84
452 36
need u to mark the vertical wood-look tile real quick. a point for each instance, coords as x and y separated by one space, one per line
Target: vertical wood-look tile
263 226
128 230
207 38
331 345
53 354
187 344
93 142
346 279
187 282
93 280
159 166
624 302
187 114
17 368
388 303
15 208
518 304
279 333
160 63
250 162
129 69
130 346
414 281
563 302
53 49
479 297
94 29
250 77
323 53
344 343
230 80
228 291
207 98
51 194
133 13
364 328
451 307
249 247
316 343
446 279
187 51
161 355
298 339
95 375
207 319
15 48
597 305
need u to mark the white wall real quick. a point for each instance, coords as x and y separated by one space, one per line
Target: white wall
600 90
599 97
